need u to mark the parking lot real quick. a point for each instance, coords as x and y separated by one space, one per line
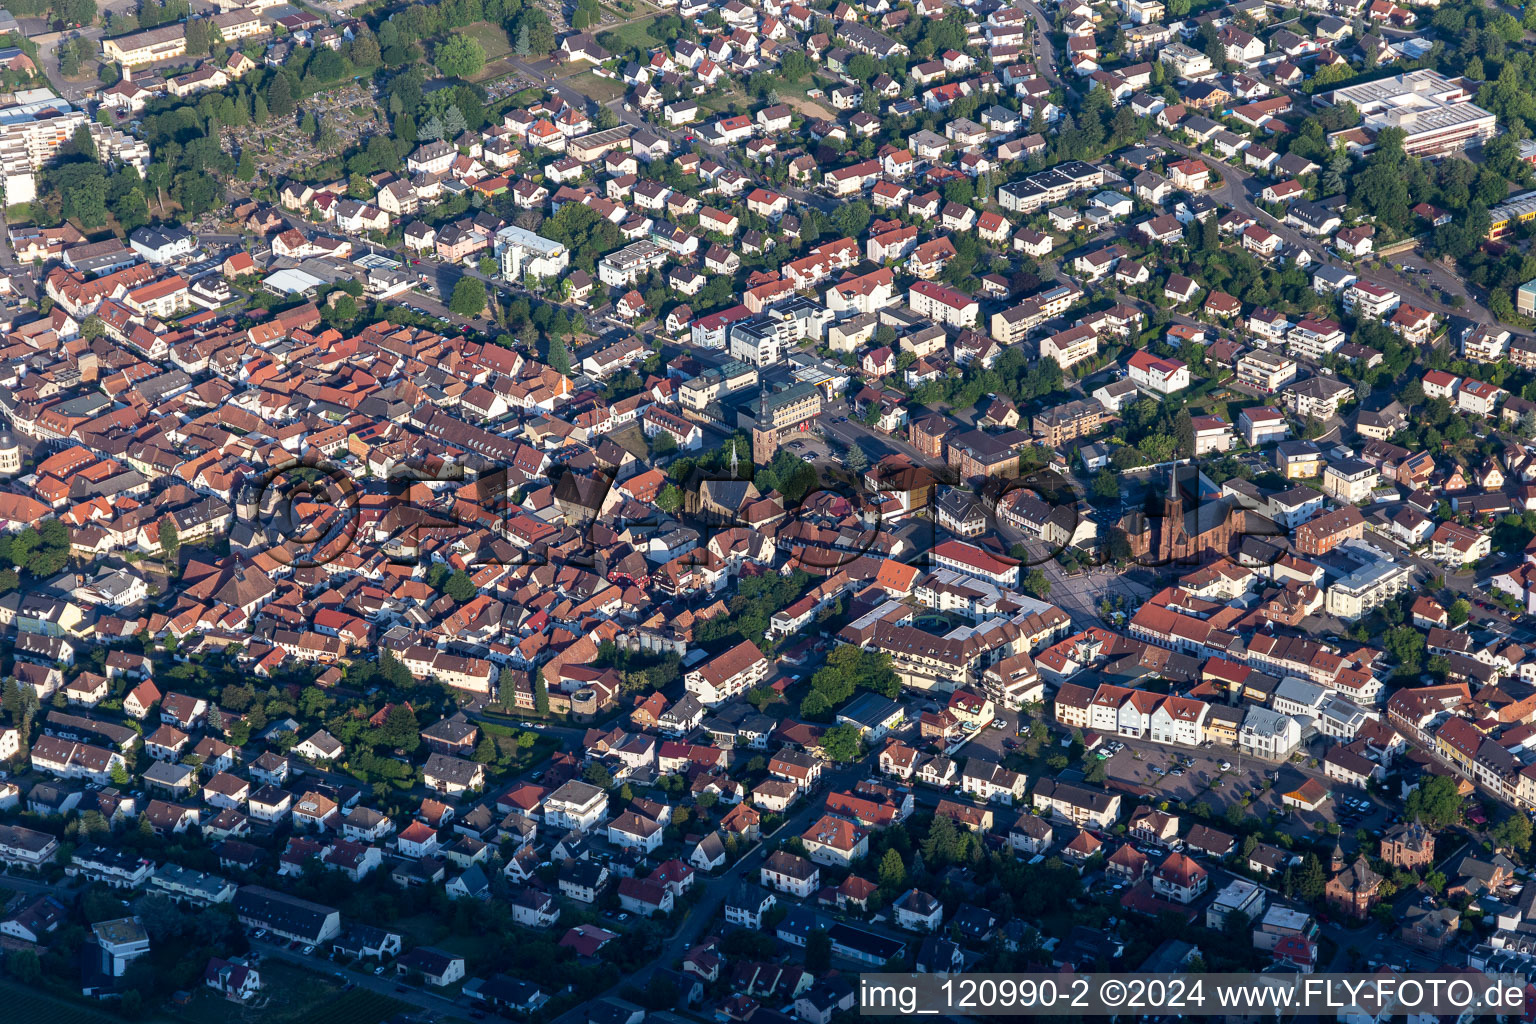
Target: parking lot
1195 775
810 448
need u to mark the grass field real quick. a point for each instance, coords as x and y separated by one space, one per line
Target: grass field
497 47
600 89
629 36
794 94
22 1004
355 1007
289 995
492 39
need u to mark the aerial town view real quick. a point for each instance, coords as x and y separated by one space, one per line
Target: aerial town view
655 511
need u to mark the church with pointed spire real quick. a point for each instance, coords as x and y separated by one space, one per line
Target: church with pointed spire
1198 523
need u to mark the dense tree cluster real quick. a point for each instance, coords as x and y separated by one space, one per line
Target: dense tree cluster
847 670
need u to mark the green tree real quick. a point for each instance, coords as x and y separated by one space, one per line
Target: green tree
279 97
82 142
460 56
170 540
1514 832
198 39
893 873
365 50
1037 584
1407 646
559 356
842 743
399 730
469 297
82 187
541 33
24 966
1435 804
598 774
1312 882
460 587
75 12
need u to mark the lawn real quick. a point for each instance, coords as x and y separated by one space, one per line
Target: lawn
358 1006
603 90
22 1004
631 36
492 39
289 995
795 94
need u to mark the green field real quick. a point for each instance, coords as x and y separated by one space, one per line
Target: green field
600 89
629 36
291 995
356 1007
492 39
29 1005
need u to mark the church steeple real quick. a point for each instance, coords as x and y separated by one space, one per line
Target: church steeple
1173 501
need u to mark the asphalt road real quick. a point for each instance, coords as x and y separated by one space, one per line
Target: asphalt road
557 79
1045 53
874 444
48 51
1234 193
700 920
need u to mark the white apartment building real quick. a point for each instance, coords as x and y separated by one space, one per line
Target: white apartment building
728 675
1268 734
522 254
576 805
1265 372
1366 589
623 268
1436 114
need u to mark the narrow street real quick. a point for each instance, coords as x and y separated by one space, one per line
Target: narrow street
702 917
1045 53
384 984
1234 194
48 54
